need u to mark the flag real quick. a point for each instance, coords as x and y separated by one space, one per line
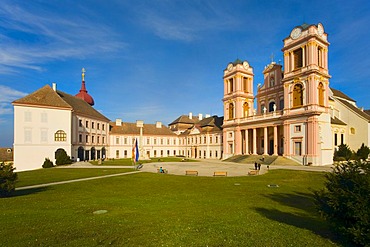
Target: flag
135 152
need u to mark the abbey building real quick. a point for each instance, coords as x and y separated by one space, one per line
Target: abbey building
295 114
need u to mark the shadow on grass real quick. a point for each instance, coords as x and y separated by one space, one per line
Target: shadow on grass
28 191
303 214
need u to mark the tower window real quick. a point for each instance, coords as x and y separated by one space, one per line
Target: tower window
231 85
319 56
272 81
245 109
245 84
298 58
231 111
320 89
297 95
271 106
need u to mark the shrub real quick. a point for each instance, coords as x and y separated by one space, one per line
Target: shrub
47 163
62 158
363 152
343 151
7 179
345 200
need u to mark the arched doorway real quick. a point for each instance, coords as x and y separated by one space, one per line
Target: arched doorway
80 153
92 151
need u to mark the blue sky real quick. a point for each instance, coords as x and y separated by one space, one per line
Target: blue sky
156 60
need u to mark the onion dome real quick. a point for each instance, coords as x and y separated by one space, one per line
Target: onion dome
83 92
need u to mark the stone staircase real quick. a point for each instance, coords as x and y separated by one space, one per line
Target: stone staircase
263 159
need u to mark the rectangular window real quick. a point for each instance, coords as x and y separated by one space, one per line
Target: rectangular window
92 125
44 135
161 153
98 139
103 140
210 140
335 139
298 59
168 152
298 148
168 141
342 139
98 125
162 141
117 140
205 154
44 117
87 138
92 139
79 138
297 128
117 154
210 154
155 153
245 84
27 135
103 126
125 140
147 141
216 139
174 152
205 140
216 154
28 116
155 142
87 124
80 123
125 152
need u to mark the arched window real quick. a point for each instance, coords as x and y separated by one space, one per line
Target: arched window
60 136
231 111
319 56
297 95
272 81
245 109
271 106
320 90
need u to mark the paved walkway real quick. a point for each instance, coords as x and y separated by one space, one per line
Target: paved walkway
204 168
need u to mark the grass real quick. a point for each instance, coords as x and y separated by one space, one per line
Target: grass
129 162
148 209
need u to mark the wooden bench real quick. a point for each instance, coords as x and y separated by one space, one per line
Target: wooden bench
253 172
191 173
220 174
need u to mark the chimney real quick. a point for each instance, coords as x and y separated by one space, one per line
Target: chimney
208 115
158 125
139 123
190 115
200 116
54 86
118 122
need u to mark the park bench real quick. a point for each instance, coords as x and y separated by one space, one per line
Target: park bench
191 173
253 172
220 174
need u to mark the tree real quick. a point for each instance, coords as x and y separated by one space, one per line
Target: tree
62 158
7 179
363 152
47 163
343 151
345 200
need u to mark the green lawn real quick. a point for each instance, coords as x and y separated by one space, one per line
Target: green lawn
129 162
148 209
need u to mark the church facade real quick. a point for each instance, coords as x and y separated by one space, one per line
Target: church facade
297 114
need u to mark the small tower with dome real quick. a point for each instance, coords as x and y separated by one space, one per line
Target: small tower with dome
83 92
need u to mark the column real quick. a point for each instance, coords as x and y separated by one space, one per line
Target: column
238 141
246 142
265 137
254 141
275 141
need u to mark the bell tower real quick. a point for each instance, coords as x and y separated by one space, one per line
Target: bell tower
238 91
306 74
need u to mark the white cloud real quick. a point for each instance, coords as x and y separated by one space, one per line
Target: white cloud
185 21
34 36
7 95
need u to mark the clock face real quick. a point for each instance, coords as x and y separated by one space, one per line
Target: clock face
296 33
245 64
320 29
230 67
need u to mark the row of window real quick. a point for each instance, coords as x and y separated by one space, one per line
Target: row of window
80 124
230 85
162 141
171 141
200 152
94 139
196 140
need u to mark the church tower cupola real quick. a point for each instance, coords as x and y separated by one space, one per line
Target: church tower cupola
83 92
